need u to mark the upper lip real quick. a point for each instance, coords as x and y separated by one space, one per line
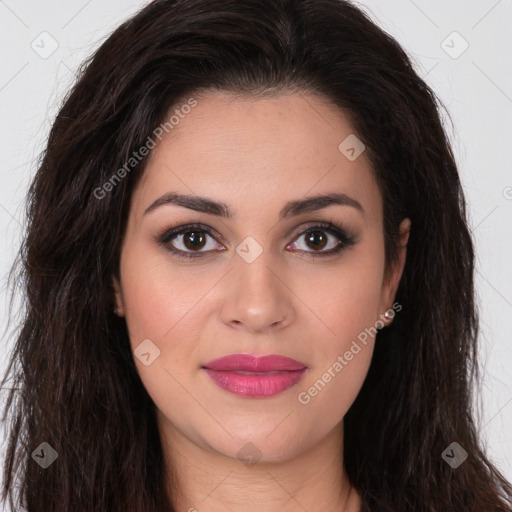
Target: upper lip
250 363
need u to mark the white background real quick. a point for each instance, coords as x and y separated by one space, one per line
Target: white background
476 88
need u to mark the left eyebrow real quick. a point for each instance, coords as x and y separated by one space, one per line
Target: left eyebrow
319 202
291 209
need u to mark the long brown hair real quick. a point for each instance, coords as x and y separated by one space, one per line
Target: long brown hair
75 383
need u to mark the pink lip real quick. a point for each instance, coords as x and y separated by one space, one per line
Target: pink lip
225 372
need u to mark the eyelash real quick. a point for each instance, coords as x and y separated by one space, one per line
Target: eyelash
345 238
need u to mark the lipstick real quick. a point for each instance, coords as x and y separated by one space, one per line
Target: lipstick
255 377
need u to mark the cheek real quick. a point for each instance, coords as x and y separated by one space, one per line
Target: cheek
158 300
348 307
341 365
345 300
159 307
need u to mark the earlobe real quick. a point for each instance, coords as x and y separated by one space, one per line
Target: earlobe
118 297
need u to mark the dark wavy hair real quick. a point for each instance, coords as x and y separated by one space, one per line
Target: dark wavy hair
75 385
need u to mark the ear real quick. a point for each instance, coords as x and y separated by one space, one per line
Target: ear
392 279
118 297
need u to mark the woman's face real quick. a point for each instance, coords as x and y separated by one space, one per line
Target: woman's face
257 285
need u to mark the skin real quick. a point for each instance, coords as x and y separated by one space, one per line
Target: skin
255 154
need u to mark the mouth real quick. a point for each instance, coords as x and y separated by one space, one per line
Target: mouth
255 377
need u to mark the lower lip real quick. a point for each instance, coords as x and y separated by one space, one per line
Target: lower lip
255 385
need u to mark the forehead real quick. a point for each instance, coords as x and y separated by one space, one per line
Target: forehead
251 152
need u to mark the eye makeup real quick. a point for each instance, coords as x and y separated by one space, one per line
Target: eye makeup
345 237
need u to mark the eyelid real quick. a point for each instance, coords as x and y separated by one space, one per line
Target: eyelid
170 232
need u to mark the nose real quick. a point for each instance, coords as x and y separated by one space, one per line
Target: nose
257 296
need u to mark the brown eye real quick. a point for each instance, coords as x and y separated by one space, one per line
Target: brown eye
194 240
319 240
316 240
323 239
190 241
